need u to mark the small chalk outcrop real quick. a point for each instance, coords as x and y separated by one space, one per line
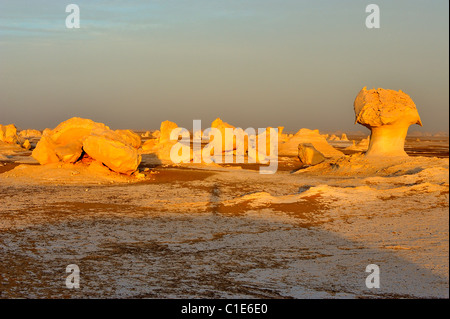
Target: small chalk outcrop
113 150
362 146
8 134
221 126
388 114
334 138
26 145
306 136
30 133
308 154
71 139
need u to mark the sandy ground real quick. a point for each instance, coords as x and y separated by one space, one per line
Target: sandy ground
227 232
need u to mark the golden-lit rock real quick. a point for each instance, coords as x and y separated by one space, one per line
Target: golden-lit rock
66 143
221 126
130 137
308 154
149 145
26 145
166 128
306 136
44 152
112 152
30 133
8 134
388 114
74 129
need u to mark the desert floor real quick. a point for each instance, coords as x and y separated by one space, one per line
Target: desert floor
226 231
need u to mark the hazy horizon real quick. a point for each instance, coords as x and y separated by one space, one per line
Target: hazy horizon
134 64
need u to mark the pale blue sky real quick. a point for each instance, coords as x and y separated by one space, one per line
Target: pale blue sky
254 63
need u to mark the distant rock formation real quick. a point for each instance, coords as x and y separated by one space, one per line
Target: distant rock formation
71 139
162 144
166 128
388 114
8 134
362 146
30 133
290 147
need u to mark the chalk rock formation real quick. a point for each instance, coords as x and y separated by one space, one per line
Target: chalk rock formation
333 137
149 145
388 114
67 142
308 154
221 126
290 148
130 137
8 134
111 149
64 143
26 145
362 146
344 137
156 134
30 133
166 129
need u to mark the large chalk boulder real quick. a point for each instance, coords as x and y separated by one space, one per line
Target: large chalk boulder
71 139
114 152
64 143
306 136
166 128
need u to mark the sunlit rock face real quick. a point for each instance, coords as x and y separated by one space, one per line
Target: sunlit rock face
8 134
388 114
66 143
308 154
30 133
290 147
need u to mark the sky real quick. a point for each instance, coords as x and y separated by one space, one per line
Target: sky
254 63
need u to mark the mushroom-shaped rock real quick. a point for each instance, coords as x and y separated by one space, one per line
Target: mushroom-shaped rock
388 114
308 154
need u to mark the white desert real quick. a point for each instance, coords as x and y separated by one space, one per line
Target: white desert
113 202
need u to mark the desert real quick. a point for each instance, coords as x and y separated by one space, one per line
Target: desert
140 226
